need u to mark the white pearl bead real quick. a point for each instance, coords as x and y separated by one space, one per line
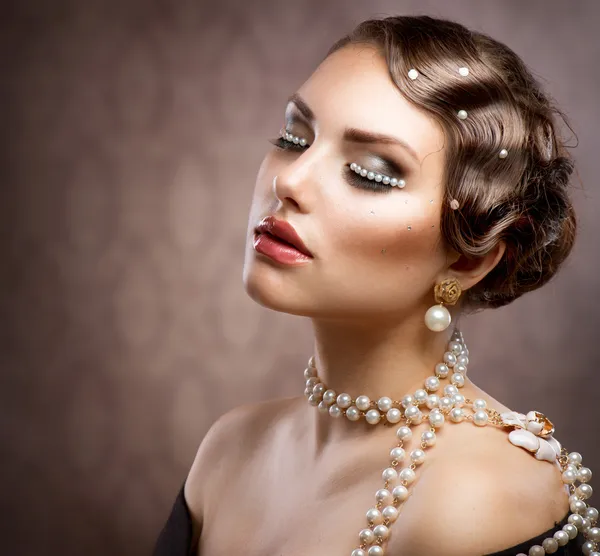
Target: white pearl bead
420 396
318 389
576 520
445 403
585 525
450 390
429 438
352 413
592 514
584 491
458 400
381 532
404 433
335 411
374 516
433 400
462 360
329 397
411 412
323 407
480 418
457 415
417 456
437 318
344 400
570 530
397 454
459 368
408 475
449 359
549 545
366 536
575 457
407 401
358 552
479 404
561 538
389 474
314 400
432 383
441 370
455 347
458 380
463 71
393 415
536 550
308 391
568 477
390 513
413 74
436 419
310 372
584 475
587 547
578 506
593 534
363 403
503 153
384 404
462 114
375 550
373 416
312 382
400 493
384 496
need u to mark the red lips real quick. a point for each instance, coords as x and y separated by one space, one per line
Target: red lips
284 231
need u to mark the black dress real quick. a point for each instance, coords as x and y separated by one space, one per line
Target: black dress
175 539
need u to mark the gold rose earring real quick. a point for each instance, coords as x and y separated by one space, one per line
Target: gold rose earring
437 318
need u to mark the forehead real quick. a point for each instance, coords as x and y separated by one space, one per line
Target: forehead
352 88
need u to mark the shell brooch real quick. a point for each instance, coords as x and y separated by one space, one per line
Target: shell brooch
533 432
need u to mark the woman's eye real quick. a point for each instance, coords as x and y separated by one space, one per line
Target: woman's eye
354 179
281 143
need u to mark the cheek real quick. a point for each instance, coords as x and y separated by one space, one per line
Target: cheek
386 239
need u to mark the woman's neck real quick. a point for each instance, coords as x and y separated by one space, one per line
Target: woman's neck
372 360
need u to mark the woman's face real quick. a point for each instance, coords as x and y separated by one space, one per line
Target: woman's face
375 252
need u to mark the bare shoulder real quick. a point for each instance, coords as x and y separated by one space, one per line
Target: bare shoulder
232 438
495 495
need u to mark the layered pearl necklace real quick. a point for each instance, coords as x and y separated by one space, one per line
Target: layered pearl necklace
532 432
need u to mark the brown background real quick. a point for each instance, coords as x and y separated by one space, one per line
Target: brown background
131 136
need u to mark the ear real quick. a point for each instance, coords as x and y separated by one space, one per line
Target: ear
471 271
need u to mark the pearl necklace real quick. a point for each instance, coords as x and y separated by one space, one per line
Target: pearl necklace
532 432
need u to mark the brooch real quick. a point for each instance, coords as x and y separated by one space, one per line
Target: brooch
533 432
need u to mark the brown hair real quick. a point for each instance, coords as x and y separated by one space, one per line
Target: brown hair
521 199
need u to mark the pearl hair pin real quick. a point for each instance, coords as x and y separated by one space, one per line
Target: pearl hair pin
413 74
375 176
532 432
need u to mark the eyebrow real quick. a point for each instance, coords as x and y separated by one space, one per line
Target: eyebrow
352 134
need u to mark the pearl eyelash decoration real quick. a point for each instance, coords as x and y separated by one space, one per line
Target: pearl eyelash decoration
375 176
290 137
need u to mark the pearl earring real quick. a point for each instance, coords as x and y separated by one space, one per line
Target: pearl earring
437 317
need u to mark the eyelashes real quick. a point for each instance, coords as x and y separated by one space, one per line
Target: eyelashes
354 179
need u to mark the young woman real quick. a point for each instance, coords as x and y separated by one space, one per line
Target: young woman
419 175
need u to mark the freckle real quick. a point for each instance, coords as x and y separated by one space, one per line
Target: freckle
372 211
406 202
433 226
406 267
410 227
431 201
383 251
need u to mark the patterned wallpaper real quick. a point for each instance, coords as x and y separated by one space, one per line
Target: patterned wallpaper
131 136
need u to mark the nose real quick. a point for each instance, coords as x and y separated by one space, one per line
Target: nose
294 185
